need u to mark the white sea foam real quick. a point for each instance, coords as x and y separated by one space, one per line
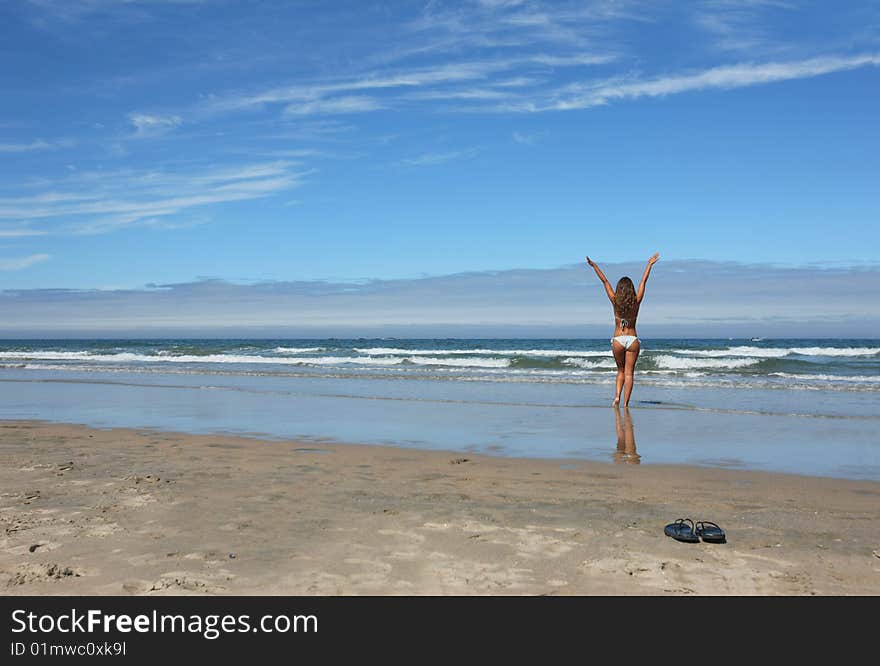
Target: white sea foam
464 370
836 351
461 362
763 352
679 363
48 355
780 352
588 365
827 378
389 351
127 357
297 350
340 360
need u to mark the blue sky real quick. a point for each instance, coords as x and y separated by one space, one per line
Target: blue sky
172 141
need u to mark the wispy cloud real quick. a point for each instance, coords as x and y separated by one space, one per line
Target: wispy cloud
740 25
71 11
22 262
334 106
432 159
335 96
18 231
150 125
494 4
330 130
37 144
464 94
102 201
487 85
586 95
528 25
528 139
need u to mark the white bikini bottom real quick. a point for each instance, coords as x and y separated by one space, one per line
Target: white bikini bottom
625 340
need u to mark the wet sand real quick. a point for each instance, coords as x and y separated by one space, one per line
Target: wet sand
119 512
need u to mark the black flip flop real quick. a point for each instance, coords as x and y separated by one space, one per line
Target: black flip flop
710 532
680 530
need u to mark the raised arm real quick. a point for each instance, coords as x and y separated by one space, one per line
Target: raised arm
608 289
641 292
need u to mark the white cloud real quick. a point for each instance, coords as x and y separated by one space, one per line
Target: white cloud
741 25
528 139
22 262
517 82
147 125
827 302
38 144
333 106
72 11
591 94
473 84
503 24
494 4
101 201
468 94
321 97
19 232
431 159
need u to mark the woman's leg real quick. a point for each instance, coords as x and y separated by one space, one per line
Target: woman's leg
620 358
632 354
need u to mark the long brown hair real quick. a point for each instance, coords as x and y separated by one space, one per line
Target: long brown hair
625 299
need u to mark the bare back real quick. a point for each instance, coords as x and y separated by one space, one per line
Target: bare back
625 325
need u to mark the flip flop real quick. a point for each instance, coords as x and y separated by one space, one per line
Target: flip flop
710 532
680 530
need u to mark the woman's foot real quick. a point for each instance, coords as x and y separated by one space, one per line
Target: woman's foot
616 402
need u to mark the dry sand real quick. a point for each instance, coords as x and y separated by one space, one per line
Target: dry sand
118 512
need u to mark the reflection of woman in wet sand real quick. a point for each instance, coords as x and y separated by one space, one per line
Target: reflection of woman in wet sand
625 343
626 439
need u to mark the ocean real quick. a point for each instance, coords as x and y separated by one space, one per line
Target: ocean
808 406
792 365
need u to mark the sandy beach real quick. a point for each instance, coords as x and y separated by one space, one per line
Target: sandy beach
139 512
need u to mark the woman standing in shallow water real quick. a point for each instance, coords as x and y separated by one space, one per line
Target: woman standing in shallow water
625 343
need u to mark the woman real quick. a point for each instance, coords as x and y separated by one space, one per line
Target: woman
625 343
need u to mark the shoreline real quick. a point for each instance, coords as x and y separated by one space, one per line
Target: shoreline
141 511
562 421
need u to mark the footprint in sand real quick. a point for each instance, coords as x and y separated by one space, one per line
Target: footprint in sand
530 542
710 573
371 574
173 583
458 575
40 572
41 546
103 530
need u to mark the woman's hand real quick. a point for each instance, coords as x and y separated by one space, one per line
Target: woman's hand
590 262
641 292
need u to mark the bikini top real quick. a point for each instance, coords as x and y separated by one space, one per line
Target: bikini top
624 322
